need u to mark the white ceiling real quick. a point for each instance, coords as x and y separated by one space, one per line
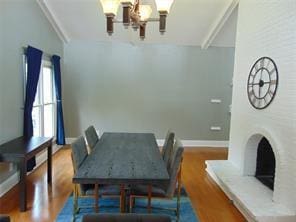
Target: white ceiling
189 23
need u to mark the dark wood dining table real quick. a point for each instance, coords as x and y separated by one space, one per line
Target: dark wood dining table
124 159
19 151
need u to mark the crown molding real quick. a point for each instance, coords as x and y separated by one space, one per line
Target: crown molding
52 18
218 24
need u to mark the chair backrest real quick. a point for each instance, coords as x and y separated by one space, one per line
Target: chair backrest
91 137
79 152
174 167
168 147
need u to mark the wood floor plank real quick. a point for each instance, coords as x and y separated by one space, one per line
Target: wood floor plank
44 203
209 201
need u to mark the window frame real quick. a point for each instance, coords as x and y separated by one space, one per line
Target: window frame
45 63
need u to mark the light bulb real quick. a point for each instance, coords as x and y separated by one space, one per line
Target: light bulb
145 12
163 5
110 6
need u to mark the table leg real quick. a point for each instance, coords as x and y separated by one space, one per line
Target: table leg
122 199
149 198
49 163
131 204
23 184
96 198
75 200
127 194
179 192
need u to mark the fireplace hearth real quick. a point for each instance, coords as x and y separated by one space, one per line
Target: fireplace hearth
265 164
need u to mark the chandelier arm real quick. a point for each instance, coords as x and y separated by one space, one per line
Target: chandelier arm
136 6
135 17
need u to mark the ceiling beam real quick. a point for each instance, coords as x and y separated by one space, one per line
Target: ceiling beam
53 20
218 24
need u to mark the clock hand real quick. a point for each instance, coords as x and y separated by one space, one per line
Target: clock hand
270 82
261 74
260 81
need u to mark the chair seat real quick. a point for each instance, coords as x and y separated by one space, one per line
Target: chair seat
125 218
110 190
142 190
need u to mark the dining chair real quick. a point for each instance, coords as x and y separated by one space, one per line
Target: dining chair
79 154
125 218
91 137
4 218
168 147
163 192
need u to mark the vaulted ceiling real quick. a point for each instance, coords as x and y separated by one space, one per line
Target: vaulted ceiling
190 22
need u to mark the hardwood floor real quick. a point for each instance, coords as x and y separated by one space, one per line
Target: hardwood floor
44 204
209 201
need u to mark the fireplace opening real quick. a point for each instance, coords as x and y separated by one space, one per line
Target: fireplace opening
265 164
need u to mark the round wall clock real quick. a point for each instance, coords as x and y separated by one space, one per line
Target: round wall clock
262 83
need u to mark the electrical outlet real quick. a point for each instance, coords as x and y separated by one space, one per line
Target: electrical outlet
215 100
215 128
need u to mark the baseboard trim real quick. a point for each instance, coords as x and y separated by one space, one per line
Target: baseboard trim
70 140
200 143
13 179
10 182
186 143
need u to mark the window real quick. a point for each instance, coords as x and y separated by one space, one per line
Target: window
44 107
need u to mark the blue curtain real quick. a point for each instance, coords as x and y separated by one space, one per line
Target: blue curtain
58 89
34 58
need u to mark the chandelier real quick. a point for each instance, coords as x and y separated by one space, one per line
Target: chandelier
135 14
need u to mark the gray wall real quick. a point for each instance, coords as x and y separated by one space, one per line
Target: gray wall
21 23
147 88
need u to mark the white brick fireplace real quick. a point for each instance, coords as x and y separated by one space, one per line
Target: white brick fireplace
265 28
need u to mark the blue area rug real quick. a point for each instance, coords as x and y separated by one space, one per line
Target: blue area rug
111 205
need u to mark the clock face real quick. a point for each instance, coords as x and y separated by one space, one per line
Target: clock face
262 83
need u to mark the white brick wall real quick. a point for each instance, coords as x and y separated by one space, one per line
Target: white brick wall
267 28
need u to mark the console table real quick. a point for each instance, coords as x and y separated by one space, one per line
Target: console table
19 151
